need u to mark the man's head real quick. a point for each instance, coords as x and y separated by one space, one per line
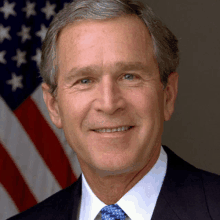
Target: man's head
108 80
164 42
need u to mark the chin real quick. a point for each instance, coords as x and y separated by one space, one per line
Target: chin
115 166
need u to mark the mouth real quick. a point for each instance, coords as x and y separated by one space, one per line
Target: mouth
114 130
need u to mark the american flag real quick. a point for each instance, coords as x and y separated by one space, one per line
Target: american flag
35 159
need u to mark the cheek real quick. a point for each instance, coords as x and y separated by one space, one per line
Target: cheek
145 102
74 108
148 106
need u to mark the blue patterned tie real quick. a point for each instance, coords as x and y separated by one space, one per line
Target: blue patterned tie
113 212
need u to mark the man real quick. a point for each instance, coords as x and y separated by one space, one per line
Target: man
110 83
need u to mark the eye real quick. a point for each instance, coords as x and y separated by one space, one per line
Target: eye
130 77
84 81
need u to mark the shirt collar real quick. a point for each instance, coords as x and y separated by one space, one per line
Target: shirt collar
90 203
138 203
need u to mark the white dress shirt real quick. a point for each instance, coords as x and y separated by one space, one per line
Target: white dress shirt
138 203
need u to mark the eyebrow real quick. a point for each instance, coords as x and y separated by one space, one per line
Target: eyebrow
126 66
94 69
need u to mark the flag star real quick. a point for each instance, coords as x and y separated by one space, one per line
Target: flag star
49 10
42 32
20 57
4 33
65 5
15 82
37 57
8 9
24 33
29 9
2 59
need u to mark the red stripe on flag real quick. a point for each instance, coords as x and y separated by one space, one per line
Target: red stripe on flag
45 141
14 183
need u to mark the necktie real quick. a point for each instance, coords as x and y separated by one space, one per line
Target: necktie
113 212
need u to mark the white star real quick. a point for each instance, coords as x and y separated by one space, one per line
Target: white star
15 82
49 10
4 33
37 57
24 33
2 59
20 57
8 9
65 5
42 32
29 9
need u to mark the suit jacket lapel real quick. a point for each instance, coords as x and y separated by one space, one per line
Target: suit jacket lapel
182 195
163 211
69 203
75 204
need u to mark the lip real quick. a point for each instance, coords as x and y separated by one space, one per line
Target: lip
112 127
114 134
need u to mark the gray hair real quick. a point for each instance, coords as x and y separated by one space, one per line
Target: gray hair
164 41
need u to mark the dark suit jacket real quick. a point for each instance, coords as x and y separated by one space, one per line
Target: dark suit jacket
187 193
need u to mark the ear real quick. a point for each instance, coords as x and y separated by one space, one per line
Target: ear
170 94
52 106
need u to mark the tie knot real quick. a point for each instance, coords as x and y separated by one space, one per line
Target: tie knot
113 212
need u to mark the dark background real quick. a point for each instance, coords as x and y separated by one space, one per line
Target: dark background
194 130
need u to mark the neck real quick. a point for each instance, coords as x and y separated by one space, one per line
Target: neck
110 189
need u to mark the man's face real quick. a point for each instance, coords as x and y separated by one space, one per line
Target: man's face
109 78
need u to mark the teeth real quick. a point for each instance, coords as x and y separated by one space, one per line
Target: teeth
113 130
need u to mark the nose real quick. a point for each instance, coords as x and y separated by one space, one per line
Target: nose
110 97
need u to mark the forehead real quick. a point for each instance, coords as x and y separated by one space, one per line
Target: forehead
104 43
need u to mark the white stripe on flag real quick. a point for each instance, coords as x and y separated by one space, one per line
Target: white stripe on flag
18 144
7 206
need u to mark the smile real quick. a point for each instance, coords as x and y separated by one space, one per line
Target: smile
109 130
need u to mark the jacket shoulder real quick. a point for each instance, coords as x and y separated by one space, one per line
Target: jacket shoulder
61 205
211 183
195 189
